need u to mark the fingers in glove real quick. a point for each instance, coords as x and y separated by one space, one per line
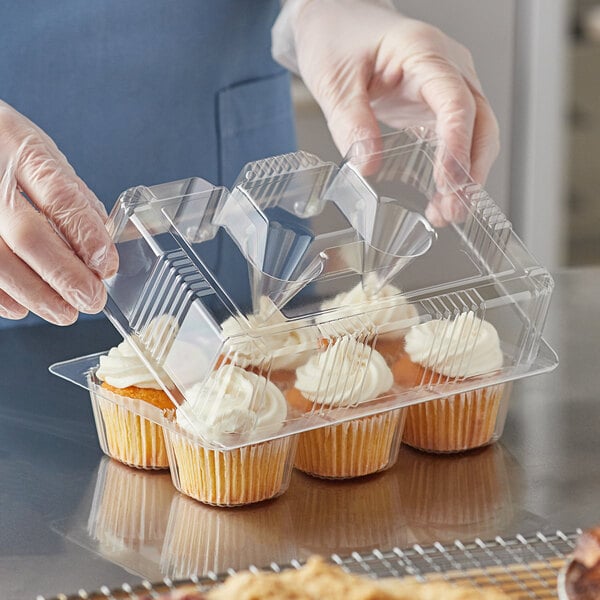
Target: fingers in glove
433 211
356 133
21 289
484 150
486 141
29 235
10 308
52 185
452 101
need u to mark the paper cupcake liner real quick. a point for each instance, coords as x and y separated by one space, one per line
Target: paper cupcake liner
231 477
456 423
130 507
203 538
125 435
351 449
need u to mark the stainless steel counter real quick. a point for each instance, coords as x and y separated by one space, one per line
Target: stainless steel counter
71 519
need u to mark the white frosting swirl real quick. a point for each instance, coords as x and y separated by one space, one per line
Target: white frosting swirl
349 317
232 400
287 350
463 347
122 367
345 373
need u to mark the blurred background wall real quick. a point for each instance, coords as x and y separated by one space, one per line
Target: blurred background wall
539 63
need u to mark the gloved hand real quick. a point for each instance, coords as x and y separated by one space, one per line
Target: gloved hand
54 248
363 61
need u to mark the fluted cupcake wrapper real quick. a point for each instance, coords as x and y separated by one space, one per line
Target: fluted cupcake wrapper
231 477
455 423
353 448
126 436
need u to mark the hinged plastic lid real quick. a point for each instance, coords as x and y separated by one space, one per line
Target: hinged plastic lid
209 276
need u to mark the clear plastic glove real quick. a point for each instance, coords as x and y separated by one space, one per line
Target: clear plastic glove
365 62
54 247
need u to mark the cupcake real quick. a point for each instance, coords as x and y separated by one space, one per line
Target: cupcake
127 406
354 312
276 355
203 538
231 402
129 515
345 374
442 351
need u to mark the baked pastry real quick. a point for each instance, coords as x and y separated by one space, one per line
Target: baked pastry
276 355
367 310
581 577
442 351
344 374
231 401
318 580
129 391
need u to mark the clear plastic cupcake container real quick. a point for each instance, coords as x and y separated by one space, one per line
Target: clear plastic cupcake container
129 430
303 253
245 475
353 448
140 435
459 422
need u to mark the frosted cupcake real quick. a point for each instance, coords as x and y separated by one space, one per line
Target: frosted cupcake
443 351
345 374
276 355
127 407
232 401
353 313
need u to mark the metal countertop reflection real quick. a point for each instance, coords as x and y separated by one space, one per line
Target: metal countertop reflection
71 518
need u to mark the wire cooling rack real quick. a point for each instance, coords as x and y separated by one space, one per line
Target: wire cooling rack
522 567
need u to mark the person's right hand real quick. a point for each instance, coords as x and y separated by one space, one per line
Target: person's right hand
54 247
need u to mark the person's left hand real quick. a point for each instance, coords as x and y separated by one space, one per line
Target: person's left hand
363 61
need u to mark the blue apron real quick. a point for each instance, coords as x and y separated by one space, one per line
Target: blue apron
147 91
